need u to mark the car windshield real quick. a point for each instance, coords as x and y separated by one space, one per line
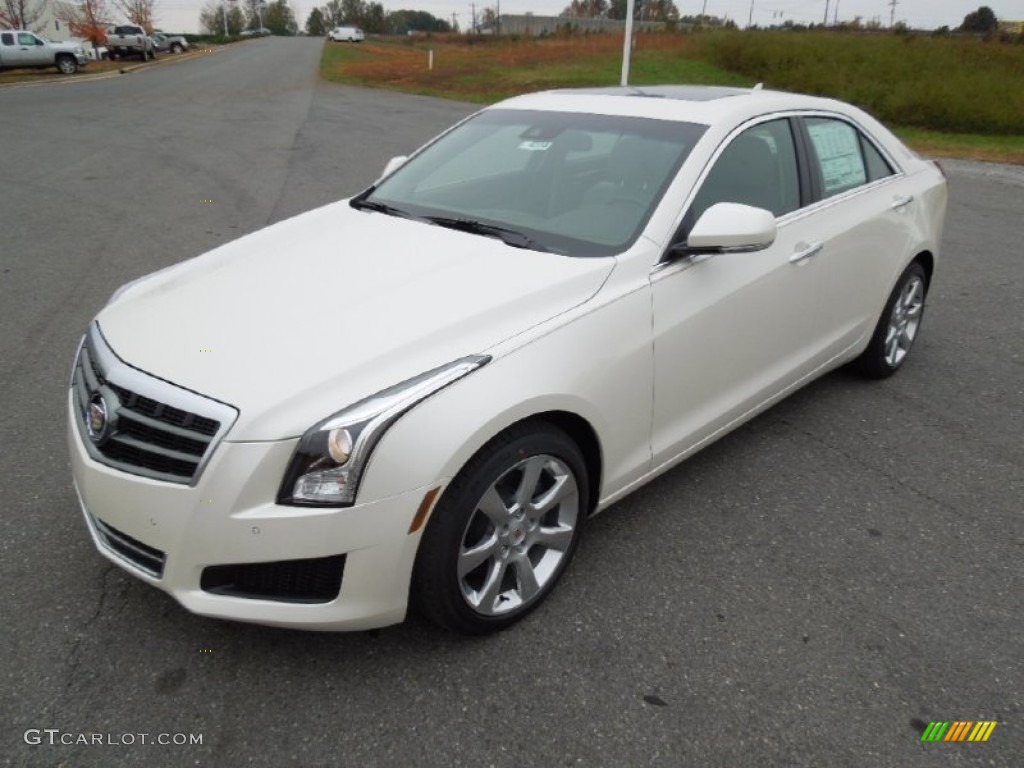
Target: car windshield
566 182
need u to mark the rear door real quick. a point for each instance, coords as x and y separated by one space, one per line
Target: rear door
865 207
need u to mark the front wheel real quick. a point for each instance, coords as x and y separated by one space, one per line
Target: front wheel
67 65
898 326
176 48
503 532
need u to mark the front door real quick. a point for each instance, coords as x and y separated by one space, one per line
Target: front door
732 330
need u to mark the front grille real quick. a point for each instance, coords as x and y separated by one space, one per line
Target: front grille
141 555
151 427
316 580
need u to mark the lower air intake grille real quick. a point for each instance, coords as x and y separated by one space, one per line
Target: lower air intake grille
317 580
138 554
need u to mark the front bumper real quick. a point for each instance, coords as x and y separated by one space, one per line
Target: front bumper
230 517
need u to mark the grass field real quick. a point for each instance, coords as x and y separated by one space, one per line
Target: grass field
948 97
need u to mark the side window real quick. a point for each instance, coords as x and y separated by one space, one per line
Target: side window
7 38
26 39
758 168
878 167
837 145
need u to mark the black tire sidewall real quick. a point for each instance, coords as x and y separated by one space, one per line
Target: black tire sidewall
872 361
435 588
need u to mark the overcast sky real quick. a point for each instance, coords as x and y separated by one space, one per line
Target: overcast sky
183 15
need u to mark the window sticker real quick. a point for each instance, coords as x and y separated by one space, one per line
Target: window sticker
535 146
841 164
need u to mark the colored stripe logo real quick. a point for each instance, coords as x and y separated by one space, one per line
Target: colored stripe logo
958 730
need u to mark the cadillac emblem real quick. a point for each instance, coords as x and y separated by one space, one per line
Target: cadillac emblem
97 418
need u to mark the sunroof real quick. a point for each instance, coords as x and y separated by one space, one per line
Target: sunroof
680 92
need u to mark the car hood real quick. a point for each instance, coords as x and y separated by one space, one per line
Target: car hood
306 317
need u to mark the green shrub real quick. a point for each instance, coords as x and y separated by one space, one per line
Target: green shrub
949 83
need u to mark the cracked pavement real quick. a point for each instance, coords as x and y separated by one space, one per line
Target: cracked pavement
811 590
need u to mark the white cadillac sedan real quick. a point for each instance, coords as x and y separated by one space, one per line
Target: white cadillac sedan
419 395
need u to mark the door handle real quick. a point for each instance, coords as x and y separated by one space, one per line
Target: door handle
808 253
902 201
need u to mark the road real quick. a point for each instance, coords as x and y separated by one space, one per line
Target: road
811 590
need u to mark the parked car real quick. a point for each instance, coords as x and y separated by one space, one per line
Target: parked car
420 394
169 43
129 40
20 48
349 34
261 32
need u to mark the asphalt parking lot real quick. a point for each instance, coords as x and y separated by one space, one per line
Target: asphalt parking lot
812 590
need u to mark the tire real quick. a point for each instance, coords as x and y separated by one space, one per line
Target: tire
898 326
66 65
176 48
488 555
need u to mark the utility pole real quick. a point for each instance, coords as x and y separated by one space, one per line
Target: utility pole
835 17
497 19
703 11
892 13
826 14
627 43
472 7
750 19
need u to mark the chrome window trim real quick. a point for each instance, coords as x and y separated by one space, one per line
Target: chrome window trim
818 205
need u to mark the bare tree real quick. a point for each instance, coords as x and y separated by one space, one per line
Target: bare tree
21 14
87 19
140 12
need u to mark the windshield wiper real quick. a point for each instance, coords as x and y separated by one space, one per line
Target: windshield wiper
511 237
362 204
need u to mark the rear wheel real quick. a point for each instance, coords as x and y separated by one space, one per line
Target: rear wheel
503 532
67 65
898 326
176 48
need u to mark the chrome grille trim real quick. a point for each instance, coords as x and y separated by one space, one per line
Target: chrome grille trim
166 433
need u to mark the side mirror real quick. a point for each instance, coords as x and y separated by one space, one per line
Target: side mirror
730 228
393 165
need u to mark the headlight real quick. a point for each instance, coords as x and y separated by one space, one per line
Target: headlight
329 461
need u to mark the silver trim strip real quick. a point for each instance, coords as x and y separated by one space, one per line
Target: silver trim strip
108 535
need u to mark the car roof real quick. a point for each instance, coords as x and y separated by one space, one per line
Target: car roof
702 104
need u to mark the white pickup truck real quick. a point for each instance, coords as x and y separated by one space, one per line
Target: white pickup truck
21 48
128 40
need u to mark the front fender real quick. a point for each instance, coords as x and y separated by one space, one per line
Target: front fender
595 363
